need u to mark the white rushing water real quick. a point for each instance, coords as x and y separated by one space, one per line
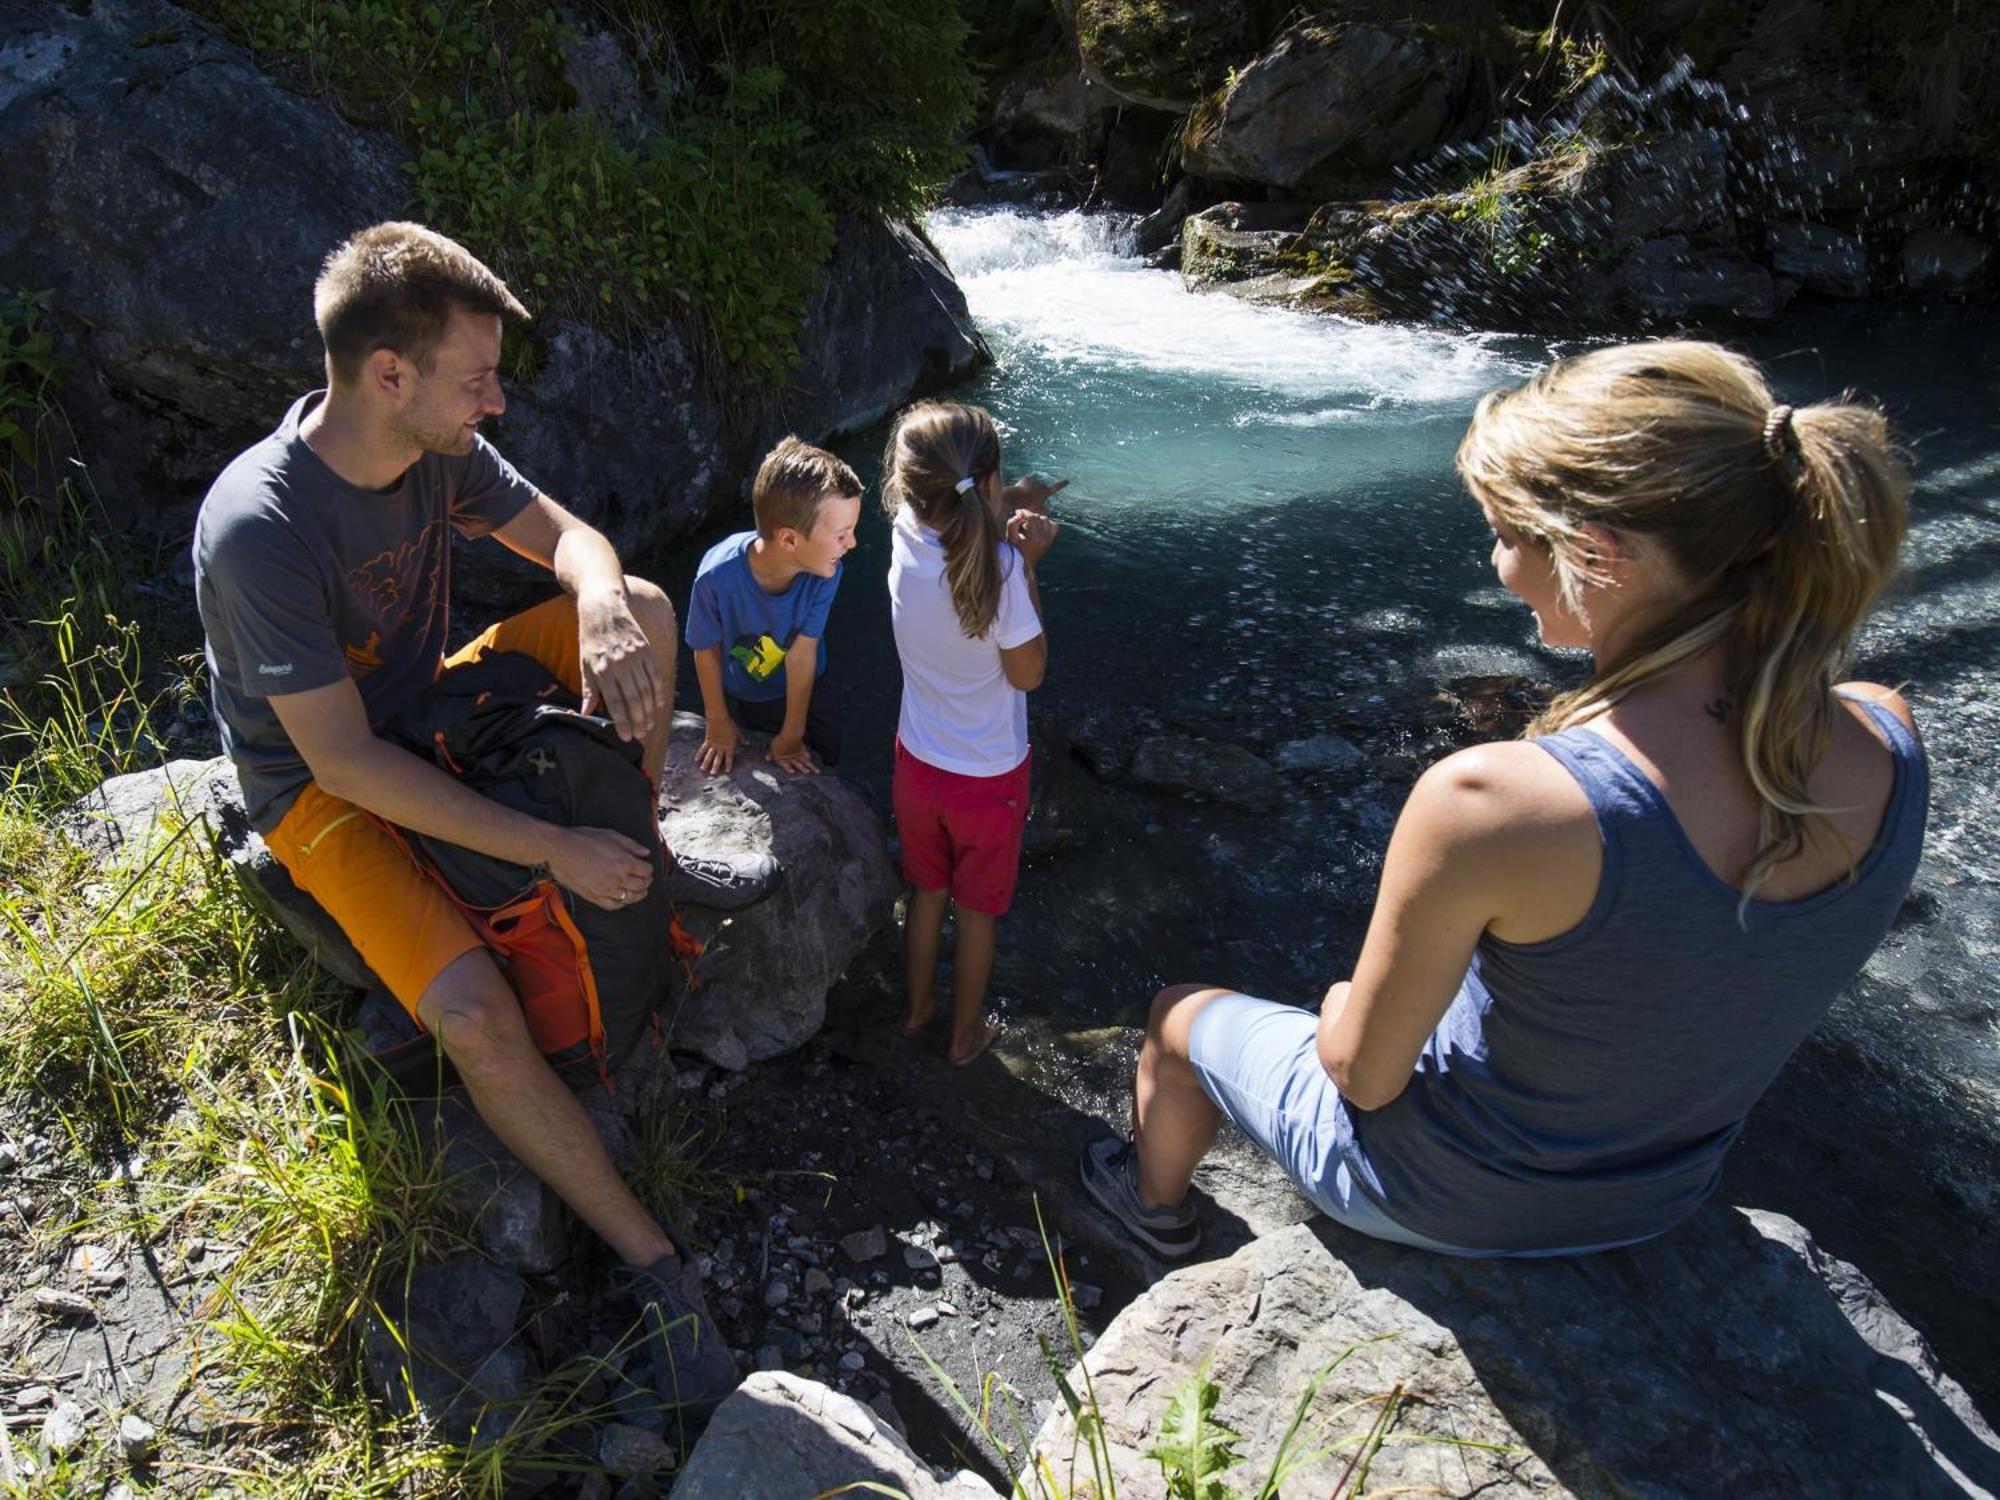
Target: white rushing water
1067 288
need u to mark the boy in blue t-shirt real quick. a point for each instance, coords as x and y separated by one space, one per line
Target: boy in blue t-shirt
758 611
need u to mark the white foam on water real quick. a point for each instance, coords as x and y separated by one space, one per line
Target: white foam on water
1068 288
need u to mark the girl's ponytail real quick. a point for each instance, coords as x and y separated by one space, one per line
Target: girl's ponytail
936 463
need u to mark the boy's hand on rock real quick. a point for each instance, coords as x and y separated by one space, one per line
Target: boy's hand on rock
717 754
601 865
1031 492
1033 533
789 751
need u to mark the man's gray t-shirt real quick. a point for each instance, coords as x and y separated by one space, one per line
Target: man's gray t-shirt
302 579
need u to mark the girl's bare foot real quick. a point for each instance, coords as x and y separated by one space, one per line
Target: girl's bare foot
919 1018
964 1051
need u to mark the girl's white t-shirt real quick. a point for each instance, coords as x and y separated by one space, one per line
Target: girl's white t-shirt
959 712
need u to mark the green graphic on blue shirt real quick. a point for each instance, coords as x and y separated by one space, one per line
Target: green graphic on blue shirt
759 656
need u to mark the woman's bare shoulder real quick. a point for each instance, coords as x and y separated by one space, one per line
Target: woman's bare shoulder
1890 698
1507 786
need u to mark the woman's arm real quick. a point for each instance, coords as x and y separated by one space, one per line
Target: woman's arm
1498 834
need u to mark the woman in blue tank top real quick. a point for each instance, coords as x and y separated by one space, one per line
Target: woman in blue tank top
1594 948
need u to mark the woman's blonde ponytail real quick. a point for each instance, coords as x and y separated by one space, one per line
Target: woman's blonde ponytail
1784 524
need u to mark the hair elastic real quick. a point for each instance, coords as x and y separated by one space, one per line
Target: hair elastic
965 484
1777 432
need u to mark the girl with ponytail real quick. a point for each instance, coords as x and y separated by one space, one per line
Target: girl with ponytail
1594 948
968 625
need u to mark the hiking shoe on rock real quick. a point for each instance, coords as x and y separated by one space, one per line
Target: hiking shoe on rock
722 884
689 1368
1110 1171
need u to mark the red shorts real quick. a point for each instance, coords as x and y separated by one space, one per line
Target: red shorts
961 833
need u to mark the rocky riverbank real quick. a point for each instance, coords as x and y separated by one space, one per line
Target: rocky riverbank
1490 167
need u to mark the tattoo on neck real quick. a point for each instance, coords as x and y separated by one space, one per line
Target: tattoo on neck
1720 709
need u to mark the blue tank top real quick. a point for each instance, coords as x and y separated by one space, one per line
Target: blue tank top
1582 1091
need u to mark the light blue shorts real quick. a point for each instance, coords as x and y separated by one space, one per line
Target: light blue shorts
1257 1060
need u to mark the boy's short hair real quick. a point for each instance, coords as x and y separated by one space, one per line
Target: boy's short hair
792 483
393 286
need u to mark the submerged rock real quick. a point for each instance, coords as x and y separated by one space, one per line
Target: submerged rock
780 1434
1730 1357
1207 769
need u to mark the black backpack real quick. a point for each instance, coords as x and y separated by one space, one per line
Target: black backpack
591 981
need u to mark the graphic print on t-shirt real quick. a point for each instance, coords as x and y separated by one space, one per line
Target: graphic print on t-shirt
758 655
392 587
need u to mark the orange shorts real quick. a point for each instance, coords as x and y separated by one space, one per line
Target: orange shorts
404 926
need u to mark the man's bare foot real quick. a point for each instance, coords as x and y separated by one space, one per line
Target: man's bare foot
964 1052
919 1018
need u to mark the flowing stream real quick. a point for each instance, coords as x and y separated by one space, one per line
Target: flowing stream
1263 540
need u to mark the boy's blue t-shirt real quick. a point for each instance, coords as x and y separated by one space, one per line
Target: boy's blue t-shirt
730 608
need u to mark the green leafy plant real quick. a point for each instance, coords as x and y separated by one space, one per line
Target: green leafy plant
715 207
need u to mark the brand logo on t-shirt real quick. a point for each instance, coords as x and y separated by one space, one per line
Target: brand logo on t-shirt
270 669
759 656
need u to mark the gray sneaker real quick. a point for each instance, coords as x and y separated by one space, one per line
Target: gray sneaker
1110 1171
726 884
682 1360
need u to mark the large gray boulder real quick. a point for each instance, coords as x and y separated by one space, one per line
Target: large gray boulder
1162 54
764 977
1336 103
1730 1357
779 1434
177 202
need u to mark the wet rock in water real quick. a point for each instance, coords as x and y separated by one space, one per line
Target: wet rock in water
1162 227
1208 770
1832 262
1944 260
1337 101
1322 753
780 1434
1590 1375
453 1356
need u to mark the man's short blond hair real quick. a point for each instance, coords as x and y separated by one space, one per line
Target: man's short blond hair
792 483
394 286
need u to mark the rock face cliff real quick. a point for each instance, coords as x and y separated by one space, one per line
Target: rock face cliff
176 202
1629 168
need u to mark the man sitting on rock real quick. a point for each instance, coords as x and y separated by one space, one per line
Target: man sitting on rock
323 573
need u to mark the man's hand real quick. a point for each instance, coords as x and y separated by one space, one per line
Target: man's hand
1033 533
1031 492
601 865
718 747
789 751
621 675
